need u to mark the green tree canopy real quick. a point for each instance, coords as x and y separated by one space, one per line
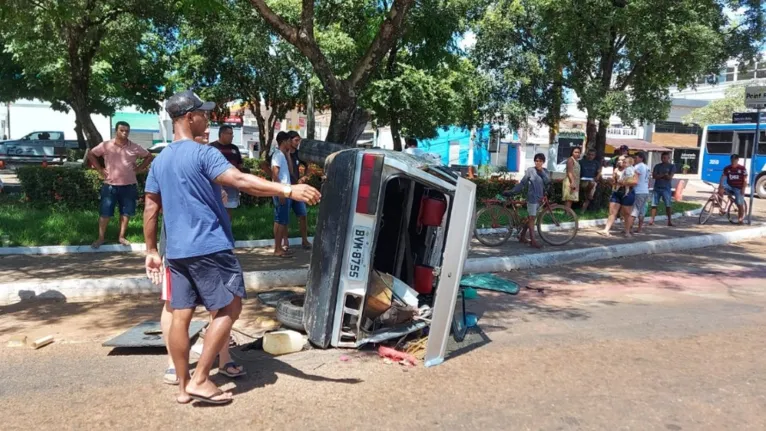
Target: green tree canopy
345 42
230 56
719 111
90 56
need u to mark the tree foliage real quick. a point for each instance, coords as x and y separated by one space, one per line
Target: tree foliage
91 56
425 79
229 56
719 111
345 42
515 46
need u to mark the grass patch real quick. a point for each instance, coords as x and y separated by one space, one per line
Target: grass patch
27 226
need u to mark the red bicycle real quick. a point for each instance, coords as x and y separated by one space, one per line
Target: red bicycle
499 219
720 205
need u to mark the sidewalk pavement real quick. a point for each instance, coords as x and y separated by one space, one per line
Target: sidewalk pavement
34 268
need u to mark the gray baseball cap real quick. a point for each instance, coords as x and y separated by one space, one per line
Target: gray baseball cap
184 102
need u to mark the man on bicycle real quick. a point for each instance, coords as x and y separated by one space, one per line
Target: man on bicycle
536 180
734 181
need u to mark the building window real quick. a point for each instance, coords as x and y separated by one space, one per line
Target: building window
760 70
719 142
746 72
730 73
672 127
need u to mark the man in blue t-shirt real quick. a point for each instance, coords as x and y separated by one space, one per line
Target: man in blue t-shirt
185 183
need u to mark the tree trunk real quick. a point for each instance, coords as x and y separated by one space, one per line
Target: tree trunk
347 122
310 118
255 108
601 137
394 120
80 136
590 134
395 132
555 109
92 135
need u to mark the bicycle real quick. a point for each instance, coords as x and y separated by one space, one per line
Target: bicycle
499 219
723 205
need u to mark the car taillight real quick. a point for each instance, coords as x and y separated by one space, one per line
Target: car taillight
369 184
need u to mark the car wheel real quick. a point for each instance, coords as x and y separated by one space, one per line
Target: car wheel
316 152
290 312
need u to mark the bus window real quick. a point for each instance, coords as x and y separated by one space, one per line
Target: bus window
762 144
719 142
745 144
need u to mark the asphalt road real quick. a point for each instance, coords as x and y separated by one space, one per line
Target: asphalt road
657 342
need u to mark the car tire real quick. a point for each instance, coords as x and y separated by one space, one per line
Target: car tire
290 312
760 187
312 151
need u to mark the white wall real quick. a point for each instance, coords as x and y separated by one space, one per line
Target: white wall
28 116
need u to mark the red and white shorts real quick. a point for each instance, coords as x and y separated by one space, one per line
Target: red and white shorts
166 288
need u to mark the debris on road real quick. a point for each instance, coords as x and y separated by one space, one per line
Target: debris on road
17 341
283 342
41 342
397 356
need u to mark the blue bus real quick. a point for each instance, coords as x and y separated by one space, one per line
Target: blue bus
720 141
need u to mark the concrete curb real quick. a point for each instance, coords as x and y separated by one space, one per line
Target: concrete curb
117 248
138 248
557 258
85 289
91 288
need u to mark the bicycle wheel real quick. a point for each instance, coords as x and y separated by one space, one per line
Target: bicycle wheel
557 225
733 212
493 225
707 210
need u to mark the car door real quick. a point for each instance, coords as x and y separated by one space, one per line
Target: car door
455 253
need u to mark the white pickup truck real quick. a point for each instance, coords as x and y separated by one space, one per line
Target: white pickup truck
36 147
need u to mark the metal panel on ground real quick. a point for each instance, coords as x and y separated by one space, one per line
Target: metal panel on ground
147 334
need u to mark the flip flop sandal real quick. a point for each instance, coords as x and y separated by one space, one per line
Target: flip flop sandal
210 400
170 377
225 370
306 247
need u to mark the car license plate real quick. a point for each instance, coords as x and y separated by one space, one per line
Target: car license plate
359 257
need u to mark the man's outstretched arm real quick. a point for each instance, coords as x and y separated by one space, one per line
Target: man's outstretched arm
257 186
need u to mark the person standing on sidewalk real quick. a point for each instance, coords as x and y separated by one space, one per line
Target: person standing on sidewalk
642 191
663 183
623 196
536 180
120 184
185 183
590 175
233 155
570 189
299 208
280 174
734 182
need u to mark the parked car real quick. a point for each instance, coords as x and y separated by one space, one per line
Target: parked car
384 215
156 148
36 147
